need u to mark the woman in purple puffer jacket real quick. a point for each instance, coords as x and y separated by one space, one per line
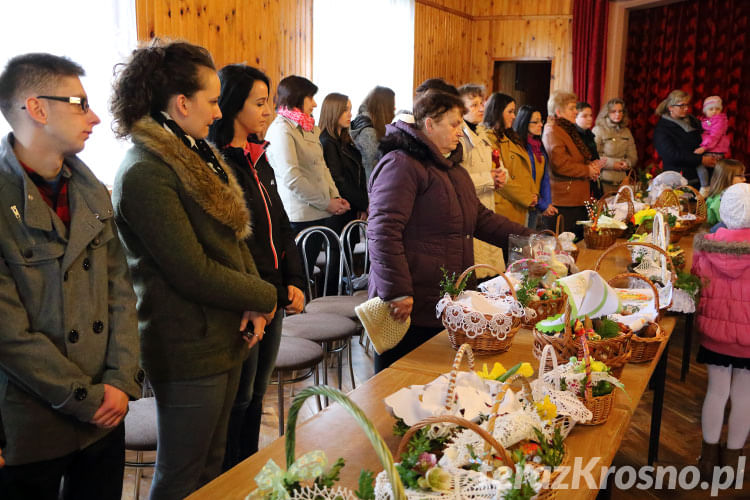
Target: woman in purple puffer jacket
424 214
722 261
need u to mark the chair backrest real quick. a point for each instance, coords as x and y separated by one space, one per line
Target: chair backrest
332 243
348 245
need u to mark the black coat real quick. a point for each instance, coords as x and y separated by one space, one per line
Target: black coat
345 163
675 146
276 257
589 141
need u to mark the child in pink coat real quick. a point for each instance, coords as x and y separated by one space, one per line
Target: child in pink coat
722 261
715 139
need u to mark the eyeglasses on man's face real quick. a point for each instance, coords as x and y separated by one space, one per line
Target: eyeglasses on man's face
83 102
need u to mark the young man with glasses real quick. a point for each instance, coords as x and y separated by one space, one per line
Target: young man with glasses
68 335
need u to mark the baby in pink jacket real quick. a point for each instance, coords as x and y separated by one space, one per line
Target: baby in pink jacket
715 139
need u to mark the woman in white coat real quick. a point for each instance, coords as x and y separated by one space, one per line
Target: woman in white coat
477 160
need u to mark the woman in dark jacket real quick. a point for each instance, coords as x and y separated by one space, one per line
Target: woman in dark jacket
424 214
245 114
677 135
183 221
342 157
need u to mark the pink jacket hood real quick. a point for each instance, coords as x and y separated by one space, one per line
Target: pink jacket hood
722 261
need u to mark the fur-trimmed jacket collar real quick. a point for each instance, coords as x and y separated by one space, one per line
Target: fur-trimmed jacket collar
223 202
724 241
402 136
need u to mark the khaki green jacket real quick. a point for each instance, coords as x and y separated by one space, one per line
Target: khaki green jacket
183 231
67 314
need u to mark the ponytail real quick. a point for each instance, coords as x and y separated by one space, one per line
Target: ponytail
144 85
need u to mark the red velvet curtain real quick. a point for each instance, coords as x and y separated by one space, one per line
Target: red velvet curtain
699 46
589 50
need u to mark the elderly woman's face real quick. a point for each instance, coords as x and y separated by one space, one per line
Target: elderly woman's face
445 131
679 109
568 111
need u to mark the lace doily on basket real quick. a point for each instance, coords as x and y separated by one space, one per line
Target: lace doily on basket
682 302
566 402
574 380
316 493
473 396
470 312
465 484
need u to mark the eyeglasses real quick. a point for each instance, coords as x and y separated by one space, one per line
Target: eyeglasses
683 105
83 102
533 122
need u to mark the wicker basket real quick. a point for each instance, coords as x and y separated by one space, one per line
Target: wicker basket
626 244
700 210
599 406
381 448
669 199
542 308
614 352
599 239
644 349
631 208
483 343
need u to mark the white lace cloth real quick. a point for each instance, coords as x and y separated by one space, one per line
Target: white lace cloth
465 484
473 396
574 380
469 311
566 402
682 302
316 493
665 180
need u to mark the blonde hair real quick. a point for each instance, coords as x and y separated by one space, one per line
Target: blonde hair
724 172
601 119
558 99
673 98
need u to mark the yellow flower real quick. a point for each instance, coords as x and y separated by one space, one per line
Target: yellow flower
598 366
497 370
526 370
546 409
643 214
649 176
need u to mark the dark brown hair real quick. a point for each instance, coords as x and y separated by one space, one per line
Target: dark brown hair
37 72
379 104
493 117
292 91
152 75
434 104
334 105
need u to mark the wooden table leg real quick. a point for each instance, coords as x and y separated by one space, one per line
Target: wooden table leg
658 378
687 345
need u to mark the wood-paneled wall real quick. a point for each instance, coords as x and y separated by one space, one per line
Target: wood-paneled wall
274 35
442 42
500 30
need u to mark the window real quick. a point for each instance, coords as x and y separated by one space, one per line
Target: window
358 44
95 34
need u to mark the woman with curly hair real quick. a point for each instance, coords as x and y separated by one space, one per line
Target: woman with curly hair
183 221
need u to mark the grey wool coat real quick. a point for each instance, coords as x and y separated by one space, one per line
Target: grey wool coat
183 230
68 313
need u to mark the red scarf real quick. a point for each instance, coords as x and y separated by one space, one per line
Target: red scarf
57 199
307 122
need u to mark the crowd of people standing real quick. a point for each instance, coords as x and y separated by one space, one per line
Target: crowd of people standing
195 254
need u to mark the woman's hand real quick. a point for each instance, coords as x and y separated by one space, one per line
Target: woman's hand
595 168
337 206
534 201
401 309
258 322
362 215
699 151
621 165
296 300
708 161
551 210
498 177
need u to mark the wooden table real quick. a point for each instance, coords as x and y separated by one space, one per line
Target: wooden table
334 431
